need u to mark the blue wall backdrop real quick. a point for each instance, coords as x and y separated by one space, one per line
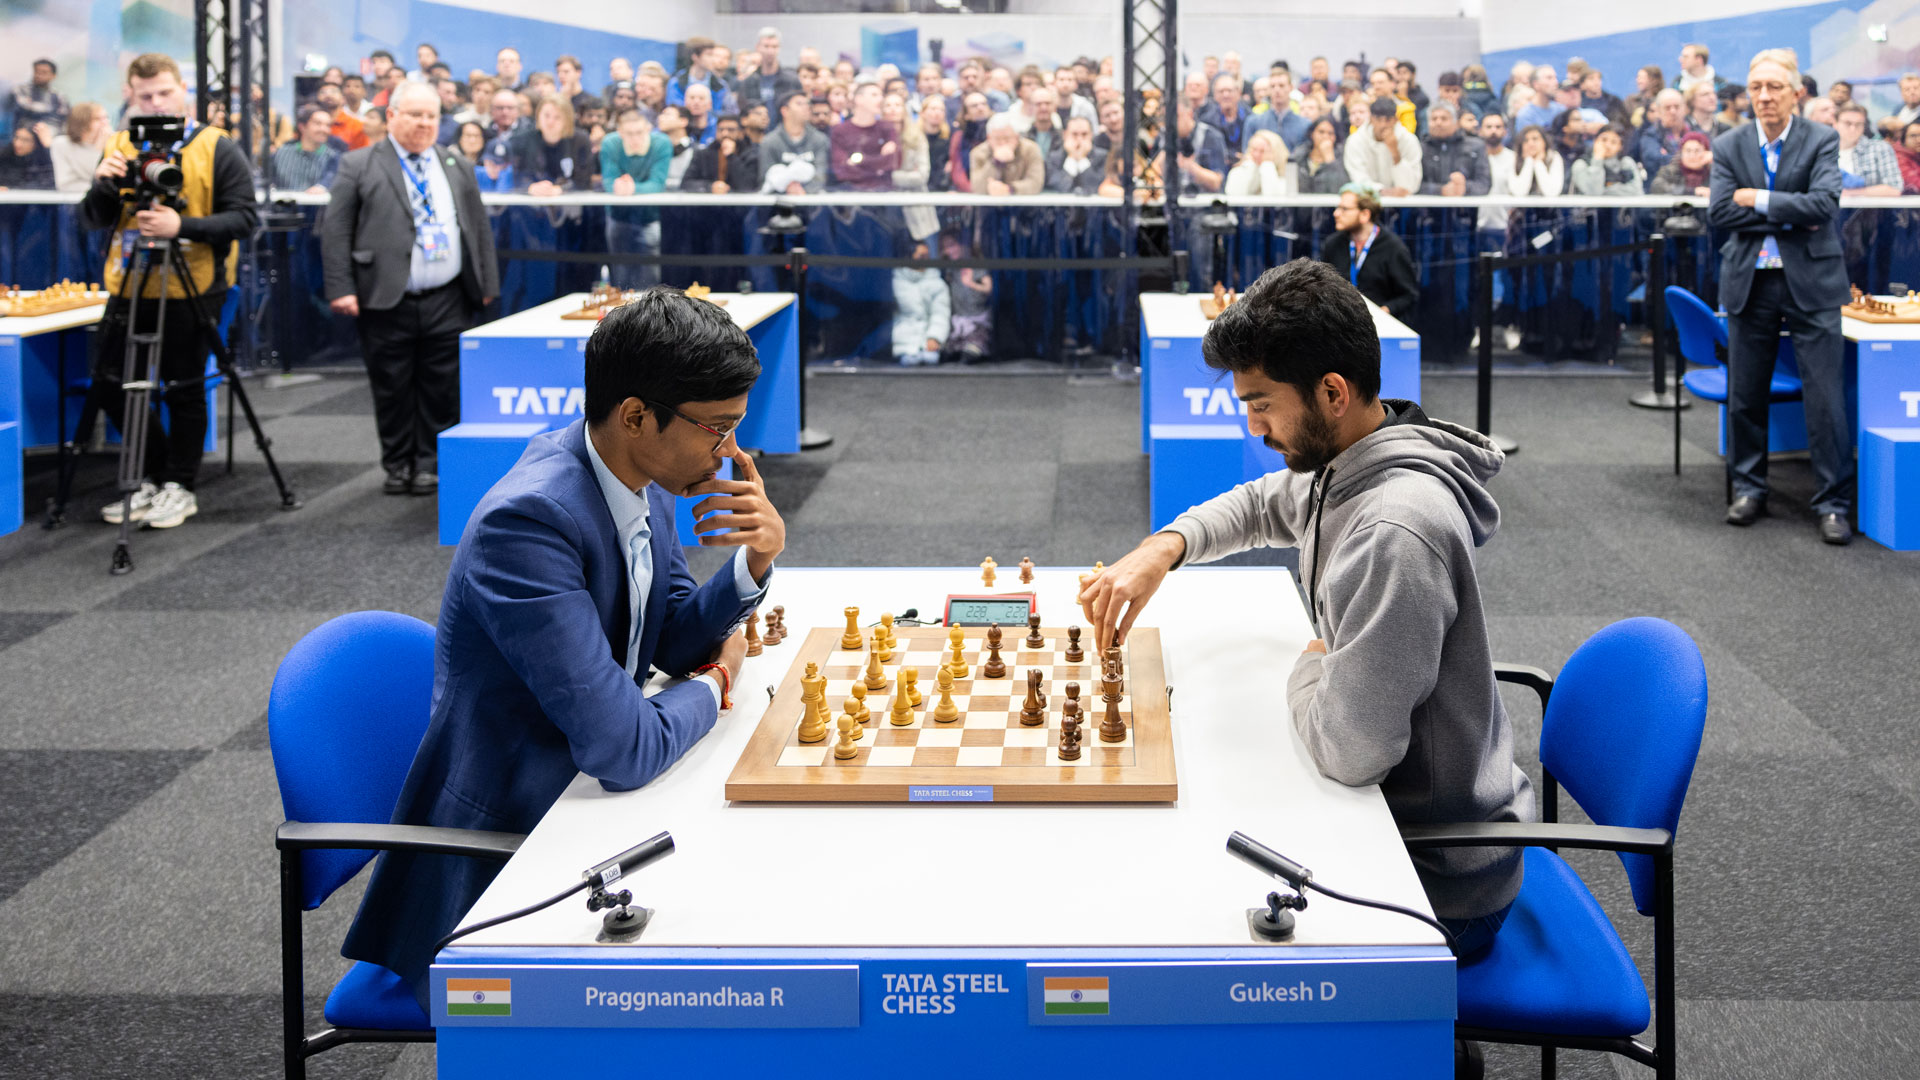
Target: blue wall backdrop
1830 38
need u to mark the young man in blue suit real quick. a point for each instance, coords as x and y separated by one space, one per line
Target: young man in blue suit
568 590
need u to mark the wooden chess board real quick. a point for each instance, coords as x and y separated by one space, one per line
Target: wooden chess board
49 301
1894 311
986 747
1221 300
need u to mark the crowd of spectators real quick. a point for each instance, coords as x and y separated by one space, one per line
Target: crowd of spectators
756 119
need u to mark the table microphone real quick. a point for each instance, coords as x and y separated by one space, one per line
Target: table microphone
656 847
1268 861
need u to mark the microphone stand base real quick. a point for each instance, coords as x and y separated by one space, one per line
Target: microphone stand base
1268 925
624 923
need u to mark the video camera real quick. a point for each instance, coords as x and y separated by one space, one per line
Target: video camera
154 175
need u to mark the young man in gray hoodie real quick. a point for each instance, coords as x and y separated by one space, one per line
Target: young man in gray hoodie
1386 507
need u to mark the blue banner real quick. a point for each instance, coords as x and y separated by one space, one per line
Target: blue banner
668 996
1232 992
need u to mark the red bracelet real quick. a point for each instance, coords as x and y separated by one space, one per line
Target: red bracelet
726 683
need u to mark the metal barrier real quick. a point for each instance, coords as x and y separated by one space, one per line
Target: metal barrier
1064 281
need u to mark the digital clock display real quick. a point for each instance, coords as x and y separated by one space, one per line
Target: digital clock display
987 610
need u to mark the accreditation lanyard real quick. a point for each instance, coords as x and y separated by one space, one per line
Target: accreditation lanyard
1769 257
420 187
1358 255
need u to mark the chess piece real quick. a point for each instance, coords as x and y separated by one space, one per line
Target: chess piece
1033 712
776 625
946 712
957 663
845 749
1069 749
1035 640
753 634
857 705
1110 684
902 712
1026 570
1075 655
876 675
994 668
813 691
886 624
881 647
987 566
1112 656
852 638
1073 696
911 677
1112 728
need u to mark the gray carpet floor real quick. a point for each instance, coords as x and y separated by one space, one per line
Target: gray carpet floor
138 929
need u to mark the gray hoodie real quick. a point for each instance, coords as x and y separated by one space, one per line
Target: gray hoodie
1404 696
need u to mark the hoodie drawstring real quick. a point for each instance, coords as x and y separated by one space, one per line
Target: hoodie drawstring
1313 572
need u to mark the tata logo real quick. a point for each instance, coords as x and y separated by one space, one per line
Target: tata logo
541 400
1212 401
1911 399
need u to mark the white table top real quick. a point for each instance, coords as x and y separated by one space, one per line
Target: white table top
1861 330
30 325
748 310
1176 315
995 875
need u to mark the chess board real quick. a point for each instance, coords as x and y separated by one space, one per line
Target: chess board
1902 311
986 747
49 301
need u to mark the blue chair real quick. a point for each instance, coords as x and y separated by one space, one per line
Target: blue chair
1621 731
1700 330
349 706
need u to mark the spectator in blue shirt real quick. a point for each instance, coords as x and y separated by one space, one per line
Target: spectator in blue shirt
1227 114
700 51
308 164
1659 141
1540 112
489 174
1280 118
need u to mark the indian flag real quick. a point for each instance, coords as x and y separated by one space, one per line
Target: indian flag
1076 996
484 997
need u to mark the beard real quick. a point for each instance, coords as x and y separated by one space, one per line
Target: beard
1314 443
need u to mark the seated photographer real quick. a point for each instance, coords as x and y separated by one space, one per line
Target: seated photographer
212 210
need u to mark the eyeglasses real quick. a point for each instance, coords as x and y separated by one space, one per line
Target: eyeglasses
720 435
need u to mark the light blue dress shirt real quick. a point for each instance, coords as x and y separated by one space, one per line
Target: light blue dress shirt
631 519
1769 257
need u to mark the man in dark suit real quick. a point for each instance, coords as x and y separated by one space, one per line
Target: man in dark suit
1776 189
568 589
1375 261
409 253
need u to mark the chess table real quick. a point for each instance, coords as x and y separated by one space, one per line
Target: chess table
863 938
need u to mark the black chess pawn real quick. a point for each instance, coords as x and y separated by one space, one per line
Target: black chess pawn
1034 638
1074 653
994 668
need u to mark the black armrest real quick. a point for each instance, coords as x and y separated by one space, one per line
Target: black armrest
1530 834
312 835
1535 679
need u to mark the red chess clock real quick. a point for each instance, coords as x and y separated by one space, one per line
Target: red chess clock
1007 609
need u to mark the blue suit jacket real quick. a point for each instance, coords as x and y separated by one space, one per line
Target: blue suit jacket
1801 215
530 685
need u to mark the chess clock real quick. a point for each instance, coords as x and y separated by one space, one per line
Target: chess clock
1007 609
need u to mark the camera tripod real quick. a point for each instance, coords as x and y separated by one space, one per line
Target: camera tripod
140 380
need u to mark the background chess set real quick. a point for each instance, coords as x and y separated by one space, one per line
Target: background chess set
1884 309
64 296
987 745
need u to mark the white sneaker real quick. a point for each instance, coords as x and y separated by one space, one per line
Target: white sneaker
1513 339
172 506
142 504
1474 345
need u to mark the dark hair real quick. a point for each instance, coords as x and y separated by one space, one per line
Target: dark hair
588 101
1811 84
667 348
1300 322
787 99
345 79
379 54
305 113
727 117
51 66
679 109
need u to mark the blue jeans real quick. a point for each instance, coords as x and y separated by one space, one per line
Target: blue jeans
1473 937
637 239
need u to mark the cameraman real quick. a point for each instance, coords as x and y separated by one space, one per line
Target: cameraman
217 203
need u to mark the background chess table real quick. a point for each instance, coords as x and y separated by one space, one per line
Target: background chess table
986 745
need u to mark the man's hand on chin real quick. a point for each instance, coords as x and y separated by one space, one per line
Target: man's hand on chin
744 508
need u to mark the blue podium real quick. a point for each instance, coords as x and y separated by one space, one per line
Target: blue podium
1883 360
525 374
1193 429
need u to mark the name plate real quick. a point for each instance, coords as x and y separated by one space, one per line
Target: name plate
1237 992
975 793
657 996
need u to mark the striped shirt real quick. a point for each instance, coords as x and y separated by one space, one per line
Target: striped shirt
295 169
